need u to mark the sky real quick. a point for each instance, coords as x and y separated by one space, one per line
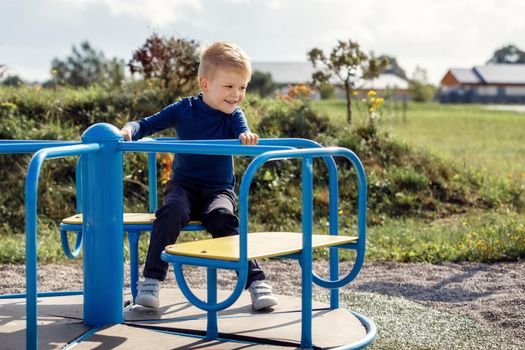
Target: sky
433 34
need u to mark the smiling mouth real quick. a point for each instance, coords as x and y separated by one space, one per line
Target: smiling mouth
230 102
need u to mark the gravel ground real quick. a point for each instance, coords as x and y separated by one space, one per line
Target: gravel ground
490 294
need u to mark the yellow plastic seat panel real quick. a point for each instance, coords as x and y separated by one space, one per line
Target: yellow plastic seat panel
260 245
129 219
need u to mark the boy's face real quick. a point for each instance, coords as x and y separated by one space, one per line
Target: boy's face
225 91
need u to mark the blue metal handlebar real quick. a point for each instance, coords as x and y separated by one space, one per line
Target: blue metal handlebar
31 196
305 153
30 146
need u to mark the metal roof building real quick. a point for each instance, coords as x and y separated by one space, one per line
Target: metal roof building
506 74
284 73
496 83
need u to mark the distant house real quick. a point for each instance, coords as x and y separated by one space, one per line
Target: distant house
387 83
497 83
286 73
293 73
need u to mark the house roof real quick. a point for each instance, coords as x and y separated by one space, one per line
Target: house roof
465 76
490 74
502 73
301 72
286 72
386 81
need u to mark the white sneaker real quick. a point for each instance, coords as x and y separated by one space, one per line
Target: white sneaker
148 293
262 296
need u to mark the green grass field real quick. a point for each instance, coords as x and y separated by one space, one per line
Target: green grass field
486 142
470 135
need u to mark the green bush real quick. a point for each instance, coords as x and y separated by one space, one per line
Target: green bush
292 119
83 107
63 114
326 91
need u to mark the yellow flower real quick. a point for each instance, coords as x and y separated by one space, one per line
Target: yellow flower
53 71
354 93
371 109
371 93
9 105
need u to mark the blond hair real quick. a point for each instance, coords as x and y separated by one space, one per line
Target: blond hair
224 55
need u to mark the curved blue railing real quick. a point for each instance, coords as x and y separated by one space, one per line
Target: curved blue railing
305 153
31 196
71 254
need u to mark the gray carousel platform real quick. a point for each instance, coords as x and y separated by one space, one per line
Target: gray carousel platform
178 325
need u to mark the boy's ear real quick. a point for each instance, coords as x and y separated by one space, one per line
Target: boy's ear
203 83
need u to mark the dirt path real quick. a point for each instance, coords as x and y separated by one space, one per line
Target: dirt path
492 294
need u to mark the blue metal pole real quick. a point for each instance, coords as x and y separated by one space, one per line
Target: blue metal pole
133 239
31 193
334 230
78 187
152 181
212 331
102 228
306 254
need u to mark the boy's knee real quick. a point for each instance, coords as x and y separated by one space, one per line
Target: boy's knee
221 222
175 213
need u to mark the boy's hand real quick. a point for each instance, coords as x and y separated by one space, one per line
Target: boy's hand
248 138
126 133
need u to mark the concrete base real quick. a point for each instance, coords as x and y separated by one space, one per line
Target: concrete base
60 323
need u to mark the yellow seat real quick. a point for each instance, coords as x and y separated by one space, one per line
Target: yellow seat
260 245
129 219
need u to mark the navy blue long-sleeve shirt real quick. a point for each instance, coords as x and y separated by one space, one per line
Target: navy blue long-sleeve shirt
194 120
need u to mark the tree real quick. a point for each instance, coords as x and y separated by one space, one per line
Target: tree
172 61
12 80
393 67
507 54
262 83
87 66
349 64
420 88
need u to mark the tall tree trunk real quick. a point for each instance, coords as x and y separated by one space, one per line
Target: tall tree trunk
348 91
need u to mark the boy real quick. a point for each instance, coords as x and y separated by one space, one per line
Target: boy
201 187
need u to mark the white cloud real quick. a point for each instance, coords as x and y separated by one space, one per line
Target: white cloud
274 4
156 12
